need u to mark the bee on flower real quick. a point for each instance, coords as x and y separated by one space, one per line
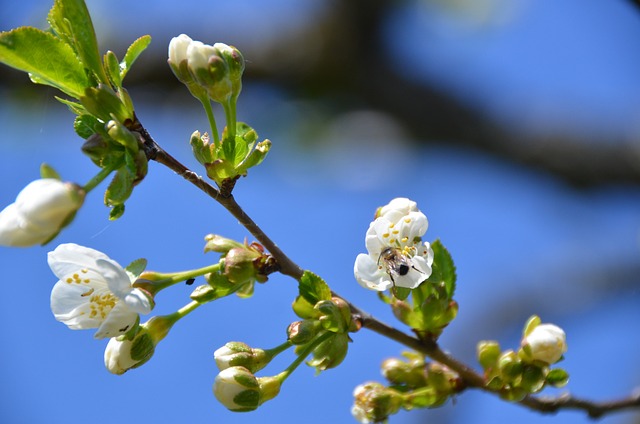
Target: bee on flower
396 255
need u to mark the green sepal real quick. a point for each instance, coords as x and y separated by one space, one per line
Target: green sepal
557 377
46 58
116 212
531 323
204 293
70 20
400 293
313 288
331 319
112 66
304 309
134 50
443 269
46 171
86 125
135 268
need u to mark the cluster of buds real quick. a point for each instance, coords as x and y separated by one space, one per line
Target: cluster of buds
414 383
215 70
236 386
519 373
325 325
229 159
243 265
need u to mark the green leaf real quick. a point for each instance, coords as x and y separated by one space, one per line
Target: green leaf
113 68
134 50
71 21
47 59
85 125
135 268
444 270
313 288
75 107
122 183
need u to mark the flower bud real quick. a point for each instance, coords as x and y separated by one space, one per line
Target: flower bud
240 354
218 69
488 353
302 332
374 402
122 354
331 352
216 243
399 372
546 343
40 211
237 389
178 56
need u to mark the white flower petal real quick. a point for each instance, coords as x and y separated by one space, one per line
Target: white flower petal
16 232
80 305
178 48
139 301
68 258
116 277
47 202
369 275
398 207
119 320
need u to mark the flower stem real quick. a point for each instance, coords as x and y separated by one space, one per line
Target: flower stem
97 179
278 349
303 354
230 114
212 120
159 281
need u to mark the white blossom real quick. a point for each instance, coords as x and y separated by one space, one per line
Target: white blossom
40 211
93 291
396 254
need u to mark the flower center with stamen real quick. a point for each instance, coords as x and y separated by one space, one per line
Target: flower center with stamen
101 305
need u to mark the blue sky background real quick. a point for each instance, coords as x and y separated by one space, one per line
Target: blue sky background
524 242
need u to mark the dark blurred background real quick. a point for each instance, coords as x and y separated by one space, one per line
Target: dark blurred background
512 123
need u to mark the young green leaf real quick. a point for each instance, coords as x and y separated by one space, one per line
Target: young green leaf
135 268
313 288
85 125
70 20
47 59
134 50
444 270
113 68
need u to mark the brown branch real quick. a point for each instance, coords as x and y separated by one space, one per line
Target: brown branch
428 347
155 152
